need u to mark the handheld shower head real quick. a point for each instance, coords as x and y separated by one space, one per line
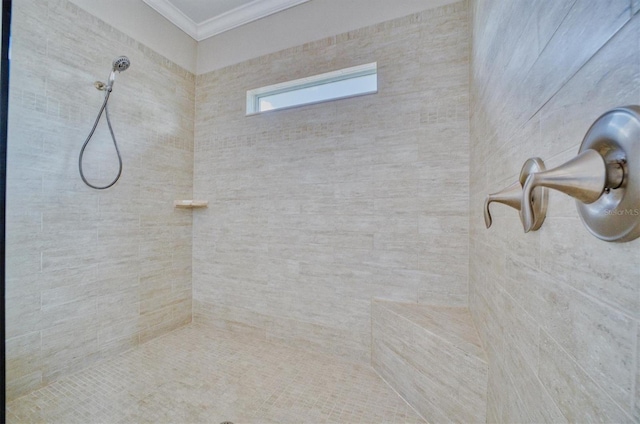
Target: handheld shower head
120 63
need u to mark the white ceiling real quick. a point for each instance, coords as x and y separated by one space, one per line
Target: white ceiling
201 10
205 18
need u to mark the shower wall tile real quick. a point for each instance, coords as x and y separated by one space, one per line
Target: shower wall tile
235 320
579 397
348 344
636 409
557 310
23 353
92 273
428 352
316 210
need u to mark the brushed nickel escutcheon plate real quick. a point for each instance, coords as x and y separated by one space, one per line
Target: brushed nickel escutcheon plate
615 215
604 178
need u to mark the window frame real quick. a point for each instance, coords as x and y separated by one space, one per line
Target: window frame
255 95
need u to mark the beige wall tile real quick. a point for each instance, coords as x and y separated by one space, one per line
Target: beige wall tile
580 398
321 208
426 353
317 210
75 255
23 355
636 410
556 309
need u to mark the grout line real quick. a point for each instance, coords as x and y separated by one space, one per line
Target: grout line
603 303
465 353
634 381
399 395
570 77
555 31
591 379
371 338
553 95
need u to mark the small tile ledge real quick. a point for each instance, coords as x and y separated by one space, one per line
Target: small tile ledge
190 204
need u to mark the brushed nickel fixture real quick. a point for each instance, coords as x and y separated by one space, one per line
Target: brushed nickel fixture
119 64
604 178
512 195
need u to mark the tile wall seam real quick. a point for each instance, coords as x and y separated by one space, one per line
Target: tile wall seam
528 70
449 344
518 130
536 373
564 284
555 32
533 368
371 329
482 342
513 385
634 381
582 66
396 392
515 130
193 182
470 121
591 379
279 316
601 302
592 299
412 367
276 342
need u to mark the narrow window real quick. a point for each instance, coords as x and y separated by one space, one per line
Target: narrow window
349 82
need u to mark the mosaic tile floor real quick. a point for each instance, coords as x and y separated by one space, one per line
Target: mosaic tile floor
199 375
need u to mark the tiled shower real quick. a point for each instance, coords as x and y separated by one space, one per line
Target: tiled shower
343 255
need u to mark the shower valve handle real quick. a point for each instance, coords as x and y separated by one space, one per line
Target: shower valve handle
512 195
585 178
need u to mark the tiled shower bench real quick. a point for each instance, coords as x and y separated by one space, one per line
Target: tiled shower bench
432 356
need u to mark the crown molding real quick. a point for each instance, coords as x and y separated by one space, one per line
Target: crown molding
244 14
234 18
175 16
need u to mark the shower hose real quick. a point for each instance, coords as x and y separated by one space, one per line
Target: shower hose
104 109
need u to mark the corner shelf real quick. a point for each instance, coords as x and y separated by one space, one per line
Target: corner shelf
190 204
